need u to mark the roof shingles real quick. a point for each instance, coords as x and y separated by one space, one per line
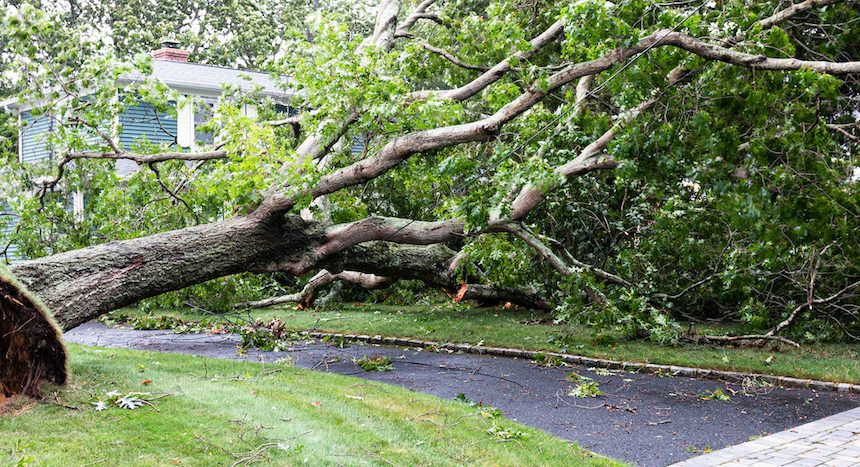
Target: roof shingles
196 76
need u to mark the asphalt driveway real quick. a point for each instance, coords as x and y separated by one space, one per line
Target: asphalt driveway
644 419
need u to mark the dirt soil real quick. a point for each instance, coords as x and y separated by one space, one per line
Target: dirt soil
644 419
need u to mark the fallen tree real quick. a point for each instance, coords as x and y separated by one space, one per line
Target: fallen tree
268 236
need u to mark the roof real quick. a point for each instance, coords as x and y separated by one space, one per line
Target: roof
195 78
209 78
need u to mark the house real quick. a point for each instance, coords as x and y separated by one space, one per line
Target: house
180 129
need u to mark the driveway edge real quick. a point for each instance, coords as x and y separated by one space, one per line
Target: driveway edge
722 375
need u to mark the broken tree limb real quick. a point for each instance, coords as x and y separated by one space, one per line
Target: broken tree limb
808 305
496 72
750 338
431 264
792 10
559 264
305 298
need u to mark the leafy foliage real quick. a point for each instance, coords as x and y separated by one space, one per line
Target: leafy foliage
715 395
585 387
506 434
129 401
269 336
375 363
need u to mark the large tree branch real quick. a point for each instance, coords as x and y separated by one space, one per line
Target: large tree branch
754 61
403 147
383 30
150 158
496 72
405 231
843 128
48 184
451 58
420 12
787 13
588 160
433 264
583 91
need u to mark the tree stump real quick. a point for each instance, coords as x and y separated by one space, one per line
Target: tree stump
31 345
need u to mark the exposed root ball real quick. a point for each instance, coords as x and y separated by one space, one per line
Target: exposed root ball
31 347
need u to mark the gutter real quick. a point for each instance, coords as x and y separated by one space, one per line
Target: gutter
10 105
215 90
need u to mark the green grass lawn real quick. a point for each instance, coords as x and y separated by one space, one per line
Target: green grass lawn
220 412
520 329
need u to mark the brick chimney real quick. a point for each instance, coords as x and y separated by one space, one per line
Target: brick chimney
170 51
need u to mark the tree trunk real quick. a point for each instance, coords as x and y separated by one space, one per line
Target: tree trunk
80 285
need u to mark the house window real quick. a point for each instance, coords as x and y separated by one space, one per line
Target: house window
194 113
203 112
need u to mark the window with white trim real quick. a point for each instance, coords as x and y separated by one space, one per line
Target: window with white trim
204 110
197 111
